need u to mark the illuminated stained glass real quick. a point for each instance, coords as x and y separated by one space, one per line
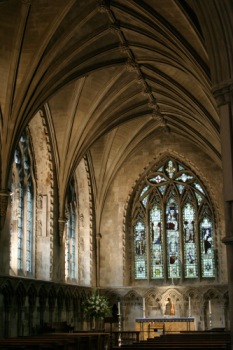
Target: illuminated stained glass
189 241
73 243
173 242
180 188
20 227
162 189
156 243
170 169
207 251
23 203
140 250
144 190
157 179
68 247
198 186
185 177
70 251
144 201
199 198
29 245
178 234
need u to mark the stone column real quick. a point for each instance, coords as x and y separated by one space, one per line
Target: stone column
61 229
224 98
98 237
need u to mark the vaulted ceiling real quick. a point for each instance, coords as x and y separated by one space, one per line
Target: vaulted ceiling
108 74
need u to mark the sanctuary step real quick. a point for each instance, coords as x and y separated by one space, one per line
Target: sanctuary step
190 341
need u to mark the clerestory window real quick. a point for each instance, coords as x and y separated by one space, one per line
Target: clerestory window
173 225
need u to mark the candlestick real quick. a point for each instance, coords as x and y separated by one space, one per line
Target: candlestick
189 306
119 325
144 307
210 306
119 308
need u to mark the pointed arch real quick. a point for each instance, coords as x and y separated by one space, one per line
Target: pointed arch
23 208
71 258
172 225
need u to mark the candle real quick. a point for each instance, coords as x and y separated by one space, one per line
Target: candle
144 307
210 306
119 308
189 306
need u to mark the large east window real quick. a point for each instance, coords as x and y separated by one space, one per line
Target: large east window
173 225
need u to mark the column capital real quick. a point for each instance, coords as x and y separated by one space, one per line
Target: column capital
61 228
223 92
26 2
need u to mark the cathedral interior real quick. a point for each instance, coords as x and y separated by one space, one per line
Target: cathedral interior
116 157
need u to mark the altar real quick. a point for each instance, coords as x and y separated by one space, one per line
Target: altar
151 327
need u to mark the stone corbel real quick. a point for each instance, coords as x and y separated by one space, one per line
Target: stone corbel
98 236
223 93
228 240
4 196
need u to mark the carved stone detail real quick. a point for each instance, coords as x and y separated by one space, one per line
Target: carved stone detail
228 240
132 66
3 206
26 2
103 6
3 202
153 103
223 93
115 28
124 48
61 229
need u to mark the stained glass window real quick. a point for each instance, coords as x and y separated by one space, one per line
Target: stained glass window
71 233
172 238
173 225
22 205
156 239
140 249
20 227
29 244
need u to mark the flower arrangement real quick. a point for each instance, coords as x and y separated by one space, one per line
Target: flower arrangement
96 305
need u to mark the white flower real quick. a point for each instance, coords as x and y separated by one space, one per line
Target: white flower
96 305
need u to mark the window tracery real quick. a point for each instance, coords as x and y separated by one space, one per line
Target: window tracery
173 225
22 208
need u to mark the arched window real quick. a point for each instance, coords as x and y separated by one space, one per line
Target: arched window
173 225
70 255
22 209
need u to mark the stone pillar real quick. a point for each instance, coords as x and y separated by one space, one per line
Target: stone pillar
224 98
98 237
61 229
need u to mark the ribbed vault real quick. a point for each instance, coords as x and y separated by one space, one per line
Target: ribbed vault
109 75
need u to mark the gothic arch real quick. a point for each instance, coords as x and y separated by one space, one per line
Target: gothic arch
142 184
